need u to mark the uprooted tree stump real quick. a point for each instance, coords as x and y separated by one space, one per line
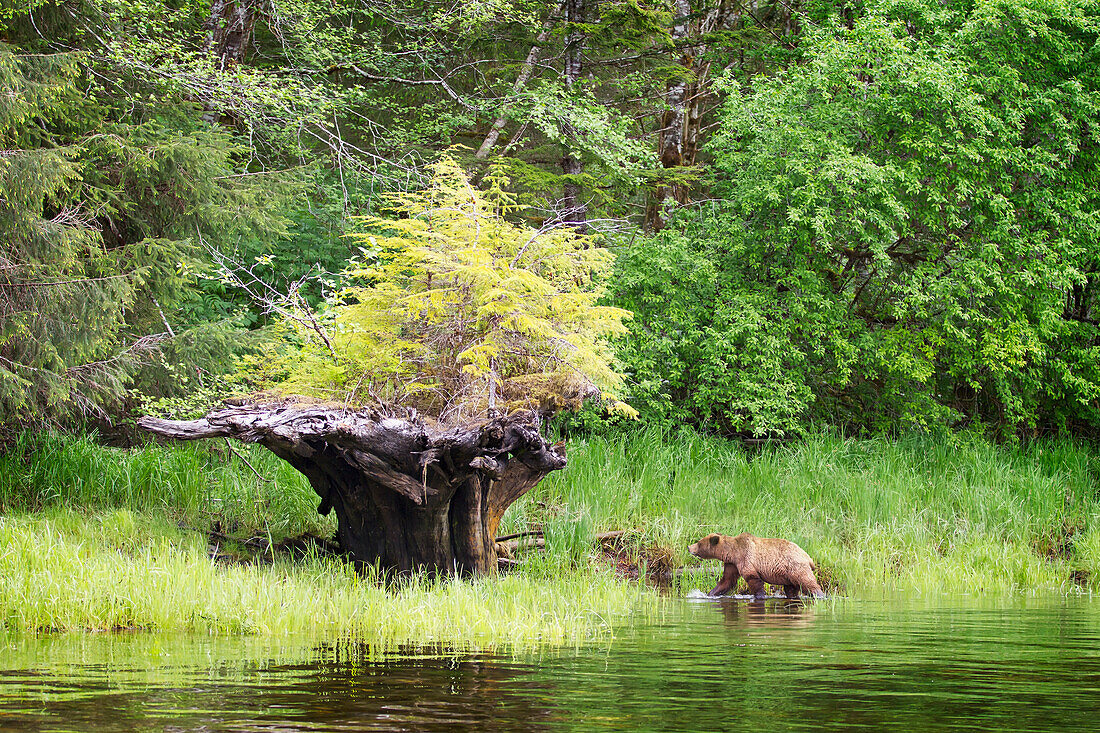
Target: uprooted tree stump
407 496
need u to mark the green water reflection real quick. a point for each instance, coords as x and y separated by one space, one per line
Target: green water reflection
838 665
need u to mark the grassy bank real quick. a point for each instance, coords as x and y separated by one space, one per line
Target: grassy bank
957 515
99 538
64 570
246 490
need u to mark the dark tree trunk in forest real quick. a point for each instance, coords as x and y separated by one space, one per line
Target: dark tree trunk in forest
407 496
678 136
229 29
673 122
574 209
681 124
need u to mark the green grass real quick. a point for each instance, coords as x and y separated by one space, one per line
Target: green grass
957 515
64 570
100 538
196 483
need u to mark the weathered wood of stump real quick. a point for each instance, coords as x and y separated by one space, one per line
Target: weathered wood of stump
406 496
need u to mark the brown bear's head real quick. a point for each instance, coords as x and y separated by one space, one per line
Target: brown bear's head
706 547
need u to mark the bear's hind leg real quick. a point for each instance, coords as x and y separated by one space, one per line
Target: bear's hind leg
791 591
756 587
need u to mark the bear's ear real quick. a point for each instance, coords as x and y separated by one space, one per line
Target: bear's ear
713 540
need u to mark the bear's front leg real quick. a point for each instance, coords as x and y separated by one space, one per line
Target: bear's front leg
728 582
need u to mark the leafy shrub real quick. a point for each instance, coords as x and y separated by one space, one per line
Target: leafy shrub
904 234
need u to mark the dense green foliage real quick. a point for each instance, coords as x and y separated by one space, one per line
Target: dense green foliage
906 235
108 203
896 226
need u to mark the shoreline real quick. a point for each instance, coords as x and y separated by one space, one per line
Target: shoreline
65 570
91 538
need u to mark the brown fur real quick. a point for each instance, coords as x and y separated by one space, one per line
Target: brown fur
759 560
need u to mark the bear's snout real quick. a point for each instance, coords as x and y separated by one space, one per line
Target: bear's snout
694 549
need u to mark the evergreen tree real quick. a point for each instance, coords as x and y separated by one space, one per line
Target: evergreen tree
454 309
103 211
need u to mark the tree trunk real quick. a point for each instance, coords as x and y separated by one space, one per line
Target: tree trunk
574 209
521 81
671 140
407 496
229 29
678 136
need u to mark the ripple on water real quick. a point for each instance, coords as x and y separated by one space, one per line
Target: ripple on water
838 664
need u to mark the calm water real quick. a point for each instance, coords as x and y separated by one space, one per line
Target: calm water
843 665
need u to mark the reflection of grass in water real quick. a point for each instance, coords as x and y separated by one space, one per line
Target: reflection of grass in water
126 660
957 514
64 570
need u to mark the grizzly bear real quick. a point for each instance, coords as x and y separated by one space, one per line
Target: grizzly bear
759 560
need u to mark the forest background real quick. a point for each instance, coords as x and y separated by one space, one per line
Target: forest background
874 216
